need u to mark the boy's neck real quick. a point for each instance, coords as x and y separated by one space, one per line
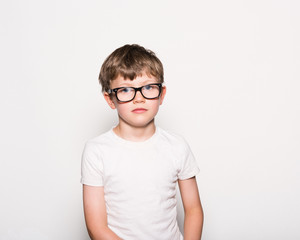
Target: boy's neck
135 134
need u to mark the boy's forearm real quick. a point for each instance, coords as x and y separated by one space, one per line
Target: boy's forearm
193 223
103 233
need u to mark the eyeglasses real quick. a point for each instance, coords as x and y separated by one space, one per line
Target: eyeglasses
127 94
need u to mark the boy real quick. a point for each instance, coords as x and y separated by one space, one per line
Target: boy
129 173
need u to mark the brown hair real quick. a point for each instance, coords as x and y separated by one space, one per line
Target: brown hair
130 61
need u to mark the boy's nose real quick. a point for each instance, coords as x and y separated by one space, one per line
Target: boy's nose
139 97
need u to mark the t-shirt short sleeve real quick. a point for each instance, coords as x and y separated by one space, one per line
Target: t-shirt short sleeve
91 166
188 166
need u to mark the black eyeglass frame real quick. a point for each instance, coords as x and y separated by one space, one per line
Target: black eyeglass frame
115 90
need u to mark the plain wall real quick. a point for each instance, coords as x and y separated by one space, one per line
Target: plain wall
232 76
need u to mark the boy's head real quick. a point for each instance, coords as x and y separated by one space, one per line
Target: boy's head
129 62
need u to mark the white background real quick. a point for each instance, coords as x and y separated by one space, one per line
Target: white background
232 75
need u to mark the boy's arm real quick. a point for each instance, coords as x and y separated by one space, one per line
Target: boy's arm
193 213
95 214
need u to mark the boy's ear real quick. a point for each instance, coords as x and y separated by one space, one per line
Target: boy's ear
109 100
163 94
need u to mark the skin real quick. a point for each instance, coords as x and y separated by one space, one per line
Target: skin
136 123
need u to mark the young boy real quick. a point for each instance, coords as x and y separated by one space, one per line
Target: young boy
129 173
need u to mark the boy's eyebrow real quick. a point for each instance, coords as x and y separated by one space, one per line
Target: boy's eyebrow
143 83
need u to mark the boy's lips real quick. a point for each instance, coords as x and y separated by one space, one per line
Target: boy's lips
139 110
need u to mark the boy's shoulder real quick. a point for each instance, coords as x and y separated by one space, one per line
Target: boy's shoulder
174 139
101 139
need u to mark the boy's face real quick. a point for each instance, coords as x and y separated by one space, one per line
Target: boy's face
140 111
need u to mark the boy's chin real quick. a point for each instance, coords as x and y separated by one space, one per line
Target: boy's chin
141 124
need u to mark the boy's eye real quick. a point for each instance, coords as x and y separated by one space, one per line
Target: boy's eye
148 87
125 90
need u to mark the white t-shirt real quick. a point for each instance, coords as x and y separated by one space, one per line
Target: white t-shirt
139 180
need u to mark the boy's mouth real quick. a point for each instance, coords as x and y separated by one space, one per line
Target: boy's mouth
139 110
